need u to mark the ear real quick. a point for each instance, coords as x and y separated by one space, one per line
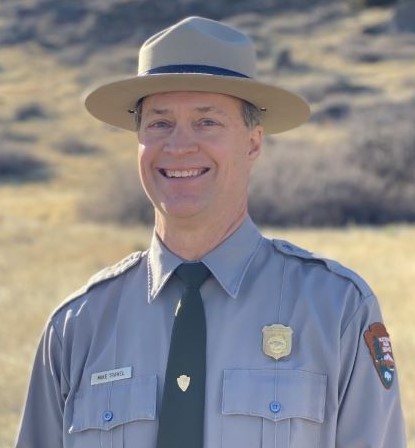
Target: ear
255 142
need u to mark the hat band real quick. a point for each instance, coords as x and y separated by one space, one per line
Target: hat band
189 69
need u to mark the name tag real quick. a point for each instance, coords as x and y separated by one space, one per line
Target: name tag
111 375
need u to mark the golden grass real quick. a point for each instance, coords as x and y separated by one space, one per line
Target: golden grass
46 253
42 262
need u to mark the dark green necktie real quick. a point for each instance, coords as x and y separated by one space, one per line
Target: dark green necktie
182 409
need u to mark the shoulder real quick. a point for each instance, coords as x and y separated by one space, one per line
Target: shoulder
107 274
333 267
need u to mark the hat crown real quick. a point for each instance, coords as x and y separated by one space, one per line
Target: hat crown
199 41
197 55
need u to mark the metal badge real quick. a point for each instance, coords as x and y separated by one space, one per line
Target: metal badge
183 382
277 340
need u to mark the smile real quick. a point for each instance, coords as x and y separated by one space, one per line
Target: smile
174 174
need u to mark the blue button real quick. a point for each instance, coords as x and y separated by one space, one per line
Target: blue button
107 416
275 406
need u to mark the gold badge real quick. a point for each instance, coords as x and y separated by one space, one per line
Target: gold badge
183 381
276 340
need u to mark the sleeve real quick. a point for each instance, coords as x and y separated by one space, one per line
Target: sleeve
370 412
42 419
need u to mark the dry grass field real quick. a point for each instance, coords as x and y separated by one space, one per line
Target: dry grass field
47 251
41 262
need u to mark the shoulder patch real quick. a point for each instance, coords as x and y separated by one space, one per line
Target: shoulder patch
379 344
108 273
288 248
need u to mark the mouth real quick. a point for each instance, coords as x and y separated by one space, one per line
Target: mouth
181 174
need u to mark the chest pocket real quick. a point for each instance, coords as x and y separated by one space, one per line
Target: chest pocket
108 415
272 408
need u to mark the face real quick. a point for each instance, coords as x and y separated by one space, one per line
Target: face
195 155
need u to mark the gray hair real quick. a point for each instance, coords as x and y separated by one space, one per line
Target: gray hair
250 113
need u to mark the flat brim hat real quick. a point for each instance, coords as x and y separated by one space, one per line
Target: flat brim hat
197 55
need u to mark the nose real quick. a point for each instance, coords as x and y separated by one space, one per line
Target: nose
180 141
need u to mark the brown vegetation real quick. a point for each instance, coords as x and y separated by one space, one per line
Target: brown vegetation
65 178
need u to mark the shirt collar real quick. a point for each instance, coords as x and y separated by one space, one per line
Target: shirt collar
228 262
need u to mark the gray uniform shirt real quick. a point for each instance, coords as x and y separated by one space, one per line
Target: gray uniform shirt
311 381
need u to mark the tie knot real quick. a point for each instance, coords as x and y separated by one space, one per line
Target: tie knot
193 274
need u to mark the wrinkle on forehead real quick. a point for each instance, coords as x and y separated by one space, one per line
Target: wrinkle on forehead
201 109
203 103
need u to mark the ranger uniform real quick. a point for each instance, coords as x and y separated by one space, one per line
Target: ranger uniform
297 355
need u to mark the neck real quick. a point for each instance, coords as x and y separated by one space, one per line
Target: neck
191 242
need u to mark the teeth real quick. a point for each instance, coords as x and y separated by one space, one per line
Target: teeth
184 173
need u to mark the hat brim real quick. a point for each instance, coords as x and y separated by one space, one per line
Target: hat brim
282 110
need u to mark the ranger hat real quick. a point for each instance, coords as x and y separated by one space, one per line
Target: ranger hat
197 55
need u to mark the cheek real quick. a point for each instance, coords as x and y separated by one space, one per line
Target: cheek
243 161
237 173
140 160
145 156
144 164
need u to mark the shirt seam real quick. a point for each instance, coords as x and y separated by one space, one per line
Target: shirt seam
60 341
363 300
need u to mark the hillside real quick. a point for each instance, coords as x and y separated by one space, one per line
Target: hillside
353 66
68 183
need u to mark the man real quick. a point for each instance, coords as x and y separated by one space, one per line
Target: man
281 348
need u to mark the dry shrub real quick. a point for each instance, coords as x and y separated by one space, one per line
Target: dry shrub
359 4
384 148
404 17
338 86
334 110
365 180
76 147
31 111
289 183
376 44
20 166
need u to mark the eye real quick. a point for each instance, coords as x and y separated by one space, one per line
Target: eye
159 124
207 122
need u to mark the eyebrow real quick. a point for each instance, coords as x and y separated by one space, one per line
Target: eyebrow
158 111
205 109
201 109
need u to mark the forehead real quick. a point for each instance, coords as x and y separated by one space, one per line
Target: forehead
192 101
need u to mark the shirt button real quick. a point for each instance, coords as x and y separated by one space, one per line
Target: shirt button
275 407
107 416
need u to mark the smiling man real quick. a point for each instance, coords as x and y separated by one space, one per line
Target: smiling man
195 156
215 337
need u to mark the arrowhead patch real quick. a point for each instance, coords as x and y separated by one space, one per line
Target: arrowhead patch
183 382
378 341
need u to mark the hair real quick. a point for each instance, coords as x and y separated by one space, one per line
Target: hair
251 115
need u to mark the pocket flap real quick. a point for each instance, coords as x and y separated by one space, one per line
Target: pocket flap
275 394
108 405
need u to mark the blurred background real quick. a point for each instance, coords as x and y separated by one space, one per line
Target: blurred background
342 185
